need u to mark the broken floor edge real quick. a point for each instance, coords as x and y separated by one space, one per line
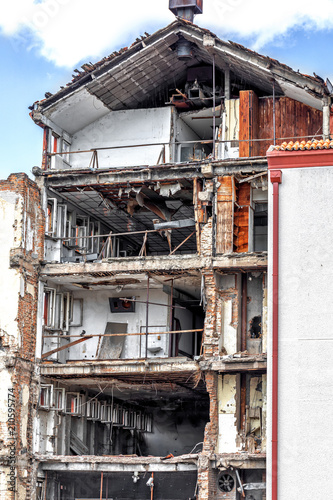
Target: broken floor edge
123 463
234 261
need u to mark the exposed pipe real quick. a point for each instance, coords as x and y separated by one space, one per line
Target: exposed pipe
244 312
107 488
171 321
152 487
147 314
276 179
274 130
101 488
326 118
214 99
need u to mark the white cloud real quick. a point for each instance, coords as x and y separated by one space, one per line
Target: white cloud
67 31
264 21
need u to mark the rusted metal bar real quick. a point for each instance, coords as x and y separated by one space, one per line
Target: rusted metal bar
243 406
147 316
152 487
274 128
143 250
208 141
182 243
101 488
113 235
152 303
98 344
244 312
65 346
122 334
45 485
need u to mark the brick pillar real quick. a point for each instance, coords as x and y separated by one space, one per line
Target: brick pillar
211 336
206 475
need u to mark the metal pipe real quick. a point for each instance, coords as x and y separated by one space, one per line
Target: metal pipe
107 488
214 102
326 118
101 488
154 303
274 131
120 334
171 319
276 178
186 13
152 488
207 141
147 315
244 312
227 83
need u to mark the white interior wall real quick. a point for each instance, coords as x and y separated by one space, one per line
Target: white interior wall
96 314
11 236
228 440
124 128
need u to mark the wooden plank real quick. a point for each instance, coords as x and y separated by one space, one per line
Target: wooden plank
248 123
225 214
70 344
292 119
242 218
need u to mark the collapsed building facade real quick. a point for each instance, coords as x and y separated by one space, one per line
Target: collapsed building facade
135 334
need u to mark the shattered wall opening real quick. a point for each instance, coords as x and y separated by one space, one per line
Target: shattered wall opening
122 317
164 417
91 223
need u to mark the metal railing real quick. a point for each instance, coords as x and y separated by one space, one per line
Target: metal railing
94 162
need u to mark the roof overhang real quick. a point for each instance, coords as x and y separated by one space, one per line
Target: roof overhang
132 77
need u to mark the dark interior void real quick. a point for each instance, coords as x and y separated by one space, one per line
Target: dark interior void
176 427
121 486
144 419
260 227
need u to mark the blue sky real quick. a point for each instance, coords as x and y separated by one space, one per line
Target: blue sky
40 46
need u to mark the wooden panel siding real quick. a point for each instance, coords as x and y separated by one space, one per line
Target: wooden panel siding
292 119
224 214
242 218
248 123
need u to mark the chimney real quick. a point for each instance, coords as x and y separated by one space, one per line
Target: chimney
186 9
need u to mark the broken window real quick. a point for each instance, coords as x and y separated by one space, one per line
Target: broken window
58 309
75 403
59 399
46 396
51 217
93 409
65 149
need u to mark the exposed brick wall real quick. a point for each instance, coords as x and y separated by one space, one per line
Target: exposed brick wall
207 477
211 430
211 336
206 240
18 346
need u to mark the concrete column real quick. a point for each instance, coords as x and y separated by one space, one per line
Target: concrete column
326 117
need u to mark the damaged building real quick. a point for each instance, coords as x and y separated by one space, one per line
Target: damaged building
134 329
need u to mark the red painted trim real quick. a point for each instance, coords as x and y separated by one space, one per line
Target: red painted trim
300 159
55 144
276 179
